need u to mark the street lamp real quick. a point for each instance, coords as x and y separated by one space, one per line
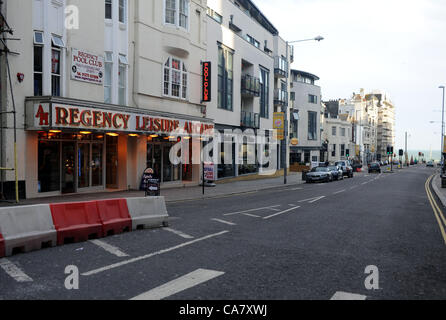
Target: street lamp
442 133
285 111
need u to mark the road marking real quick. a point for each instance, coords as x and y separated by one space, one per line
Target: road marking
225 222
279 213
147 256
354 187
341 191
109 248
297 189
347 296
251 215
15 272
312 200
365 182
178 285
251 210
178 233
435 208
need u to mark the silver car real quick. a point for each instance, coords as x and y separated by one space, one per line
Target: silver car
336 172
319 174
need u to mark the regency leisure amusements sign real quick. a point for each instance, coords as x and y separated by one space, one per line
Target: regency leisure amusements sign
61 116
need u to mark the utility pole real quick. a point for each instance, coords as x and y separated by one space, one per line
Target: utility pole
442 134
406 151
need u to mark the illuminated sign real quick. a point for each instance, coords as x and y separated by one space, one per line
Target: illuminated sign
206 81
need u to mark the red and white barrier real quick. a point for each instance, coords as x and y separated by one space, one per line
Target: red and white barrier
27 228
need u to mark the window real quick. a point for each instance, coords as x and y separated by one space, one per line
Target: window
312 125
122 11
333 152
175 78
292 96
225 78
342 150
57 41
38 70
312 98
333 131
177 13
108 78
214 15
122 93
342 132
55 71
38 38
264 93
108 9
253 41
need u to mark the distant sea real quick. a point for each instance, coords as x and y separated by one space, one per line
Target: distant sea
436 155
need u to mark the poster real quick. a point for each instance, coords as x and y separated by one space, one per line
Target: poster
87 67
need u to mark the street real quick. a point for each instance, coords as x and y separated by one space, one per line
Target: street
297 242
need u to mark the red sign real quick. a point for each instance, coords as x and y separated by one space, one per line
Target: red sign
206 81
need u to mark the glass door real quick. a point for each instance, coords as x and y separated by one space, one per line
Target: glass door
112 162
83 158
96 164
68 167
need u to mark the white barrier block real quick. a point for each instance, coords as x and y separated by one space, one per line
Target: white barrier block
27 228
149 212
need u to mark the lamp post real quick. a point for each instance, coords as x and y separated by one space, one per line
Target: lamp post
442 132
285 108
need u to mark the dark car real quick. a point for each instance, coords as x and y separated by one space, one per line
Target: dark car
336 172
374 167
346 168
319 174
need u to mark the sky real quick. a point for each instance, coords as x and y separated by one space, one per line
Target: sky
398 46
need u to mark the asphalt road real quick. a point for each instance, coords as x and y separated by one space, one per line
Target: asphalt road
297 242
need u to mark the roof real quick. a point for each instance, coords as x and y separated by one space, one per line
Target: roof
305 74
258 16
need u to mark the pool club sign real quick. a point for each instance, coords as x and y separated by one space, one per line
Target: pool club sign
206 81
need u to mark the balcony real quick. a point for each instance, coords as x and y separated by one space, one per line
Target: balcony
250 120
280 97
250 86
280 67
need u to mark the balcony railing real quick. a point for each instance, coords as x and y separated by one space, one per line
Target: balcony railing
280 97
250 86
280 67
250 120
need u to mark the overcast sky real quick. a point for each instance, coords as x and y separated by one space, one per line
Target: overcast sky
398 46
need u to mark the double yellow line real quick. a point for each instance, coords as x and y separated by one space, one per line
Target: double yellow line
437 211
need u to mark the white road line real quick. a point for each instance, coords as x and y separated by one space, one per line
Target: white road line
297 189
123 263
109 248
225 222
279 213
365 182
15 272
354 187
179 233
178 285
251 215
251 210
347 296
312 199
341 191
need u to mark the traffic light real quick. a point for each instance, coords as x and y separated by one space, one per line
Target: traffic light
391 150
347 153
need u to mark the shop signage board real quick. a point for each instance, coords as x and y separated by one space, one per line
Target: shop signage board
209 171
207 81
87 67
61 116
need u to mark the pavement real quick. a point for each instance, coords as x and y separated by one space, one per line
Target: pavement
372 237
439 191
176 194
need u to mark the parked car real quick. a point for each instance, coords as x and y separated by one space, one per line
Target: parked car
336 172
440 164
430 164
374 167
346 168
319 174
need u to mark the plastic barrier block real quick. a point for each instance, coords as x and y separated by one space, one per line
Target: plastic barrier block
27 228
115 216
2 246
76 222
148 212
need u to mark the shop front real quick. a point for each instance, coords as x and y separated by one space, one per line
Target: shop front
81 147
